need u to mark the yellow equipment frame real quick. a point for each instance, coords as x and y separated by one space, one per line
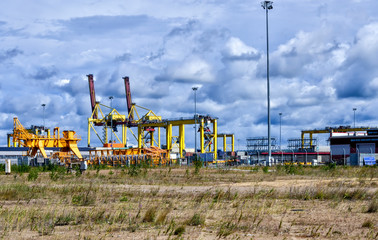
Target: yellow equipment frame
330 131
227 146
105 121
23 138
208 140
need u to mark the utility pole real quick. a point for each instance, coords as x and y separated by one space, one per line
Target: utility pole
354 117
111 120
280 129
267 5
195 119
43 105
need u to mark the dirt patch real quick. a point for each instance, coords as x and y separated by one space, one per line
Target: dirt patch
175 203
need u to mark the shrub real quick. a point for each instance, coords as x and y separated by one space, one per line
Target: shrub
123 199
226 229
373 206
162 216
265 169
57 173
33 174
20 168
197 164
368 224
179 231
329 167
134 170
196 220
63 219
86 198
150 215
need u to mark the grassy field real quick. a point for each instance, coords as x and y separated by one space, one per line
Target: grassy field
284 202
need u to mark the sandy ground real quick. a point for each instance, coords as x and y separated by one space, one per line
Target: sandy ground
236 205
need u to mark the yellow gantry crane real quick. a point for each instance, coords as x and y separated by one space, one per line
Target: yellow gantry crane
329 130
149 122
113 119
67 143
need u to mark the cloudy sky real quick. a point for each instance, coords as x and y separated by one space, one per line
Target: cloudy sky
323 54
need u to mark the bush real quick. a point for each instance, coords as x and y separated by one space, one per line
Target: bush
368 224
329 167
196 220
20 168
373 206
162 216
179 231
88 197
83 199
124 199
265 169
57 172
33 174
197 164
134 170
150 215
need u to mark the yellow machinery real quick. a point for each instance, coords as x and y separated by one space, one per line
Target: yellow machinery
329 130
147 124
113 119
36 142
208 133
106 121
123 156
227 146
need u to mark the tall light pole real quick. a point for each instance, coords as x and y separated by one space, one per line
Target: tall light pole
43 105
111 120
280 129
267 5
195 118
354 117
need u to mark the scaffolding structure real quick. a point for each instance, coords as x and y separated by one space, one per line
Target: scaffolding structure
260 144
302 143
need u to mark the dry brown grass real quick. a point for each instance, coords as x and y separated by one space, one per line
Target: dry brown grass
173 203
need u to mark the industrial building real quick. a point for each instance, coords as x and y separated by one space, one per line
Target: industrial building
357 149
347 146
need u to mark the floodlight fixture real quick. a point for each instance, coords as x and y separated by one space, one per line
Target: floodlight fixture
267 5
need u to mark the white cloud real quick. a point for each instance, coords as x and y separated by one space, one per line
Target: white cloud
236 48
193 69
62 82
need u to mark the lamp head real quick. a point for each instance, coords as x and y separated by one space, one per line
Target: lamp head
194 88
267 5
